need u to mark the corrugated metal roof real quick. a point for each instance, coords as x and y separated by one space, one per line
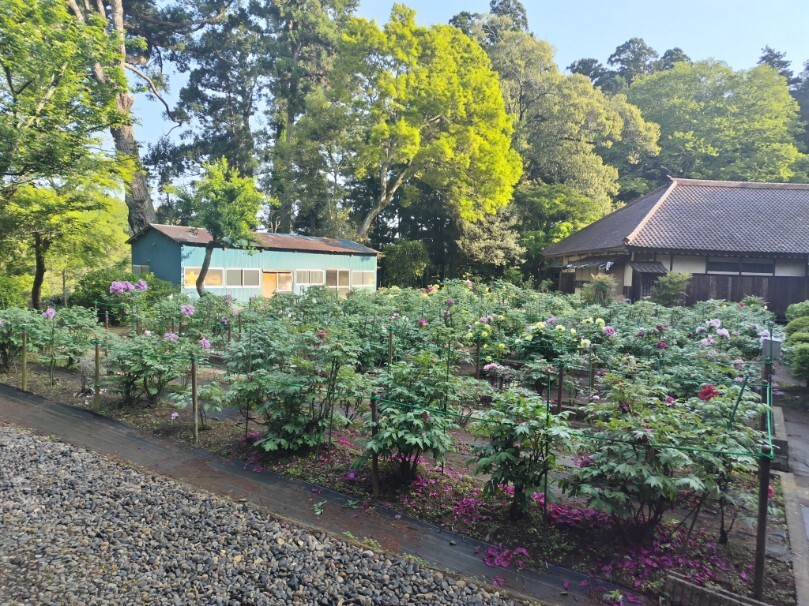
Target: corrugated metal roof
292 242
705 216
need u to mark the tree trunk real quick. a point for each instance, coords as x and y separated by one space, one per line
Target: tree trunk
138 200
204 269
40 248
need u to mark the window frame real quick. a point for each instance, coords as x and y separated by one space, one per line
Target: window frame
361 284
197 270
310 283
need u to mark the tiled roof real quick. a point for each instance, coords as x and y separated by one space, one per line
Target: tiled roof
708 216
648 267
610 231
199 236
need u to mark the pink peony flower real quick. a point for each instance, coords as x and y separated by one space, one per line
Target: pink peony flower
171 337
141 286
661 345
204 343
49 313
188 310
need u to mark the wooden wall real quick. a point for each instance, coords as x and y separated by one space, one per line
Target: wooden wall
778 291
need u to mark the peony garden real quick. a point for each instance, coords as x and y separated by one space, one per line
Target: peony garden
621 441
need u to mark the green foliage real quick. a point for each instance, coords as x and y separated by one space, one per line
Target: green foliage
669 289
797 310
404 263
405 429
719 124
226 205
799 324
567 131
797 337
12 321
50 110
522 443
141 368
798 357
598 290
14 291
421 104
94 289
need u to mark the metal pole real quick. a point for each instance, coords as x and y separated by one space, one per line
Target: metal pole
194 404
97 378
761 528
24 358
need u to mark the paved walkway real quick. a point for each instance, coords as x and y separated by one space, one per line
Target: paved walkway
796 483
289 499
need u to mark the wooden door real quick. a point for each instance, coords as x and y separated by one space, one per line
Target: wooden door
269 284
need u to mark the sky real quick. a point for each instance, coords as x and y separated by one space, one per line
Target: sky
733 31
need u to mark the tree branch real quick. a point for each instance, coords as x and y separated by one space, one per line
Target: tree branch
183 26
154 90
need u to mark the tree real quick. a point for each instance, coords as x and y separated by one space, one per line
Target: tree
50 113
491 245
719 124
143 30
671 57
513 10
225 205
633 58
424 105
564 125
779 62
547 214
75 219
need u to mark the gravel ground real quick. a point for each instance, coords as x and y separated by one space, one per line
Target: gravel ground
77 528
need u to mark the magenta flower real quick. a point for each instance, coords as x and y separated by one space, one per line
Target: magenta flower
171 337
224 320
141 286
661 345
49 313
423 322
187 310
640 333
450 302
116 288
204 343
609 331
234 311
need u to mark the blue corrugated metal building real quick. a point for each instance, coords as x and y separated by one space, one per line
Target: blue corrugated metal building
279 263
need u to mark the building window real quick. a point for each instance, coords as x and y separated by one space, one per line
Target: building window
284 283
140 269
214 277
233 277
758 266
338 279
251 277
363 278
309 276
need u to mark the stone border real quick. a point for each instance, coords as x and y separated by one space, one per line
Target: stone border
798 544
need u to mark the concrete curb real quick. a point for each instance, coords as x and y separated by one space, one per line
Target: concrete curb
798 543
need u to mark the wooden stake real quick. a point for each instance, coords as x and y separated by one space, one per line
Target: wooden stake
194 403
97 378
24 358
374 456
390 346
561 393
477 358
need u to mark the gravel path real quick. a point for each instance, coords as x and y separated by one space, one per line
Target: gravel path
77 528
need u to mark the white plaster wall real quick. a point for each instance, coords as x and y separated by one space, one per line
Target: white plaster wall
689 264
790 267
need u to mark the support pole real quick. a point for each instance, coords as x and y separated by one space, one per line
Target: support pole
561 392
24 358
97 378
761 528
374 455
477 358
107 319
390 346
194 403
